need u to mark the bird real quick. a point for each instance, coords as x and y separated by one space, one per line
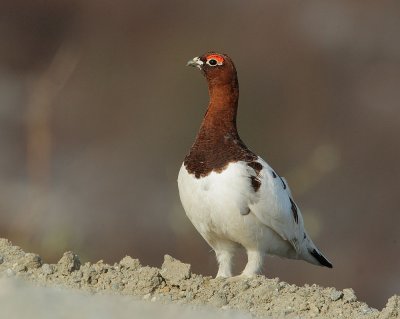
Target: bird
232 196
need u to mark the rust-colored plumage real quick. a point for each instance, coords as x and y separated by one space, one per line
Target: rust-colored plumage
218 142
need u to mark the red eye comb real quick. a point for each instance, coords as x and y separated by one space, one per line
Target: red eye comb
216 57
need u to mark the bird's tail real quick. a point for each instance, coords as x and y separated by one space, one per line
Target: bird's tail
313 255
320 258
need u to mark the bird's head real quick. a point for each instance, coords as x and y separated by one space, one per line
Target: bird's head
217 68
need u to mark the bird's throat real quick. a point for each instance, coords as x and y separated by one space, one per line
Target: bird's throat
222 109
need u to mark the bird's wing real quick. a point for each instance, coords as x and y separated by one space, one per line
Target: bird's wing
274 206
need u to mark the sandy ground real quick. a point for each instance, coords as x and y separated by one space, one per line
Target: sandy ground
30 288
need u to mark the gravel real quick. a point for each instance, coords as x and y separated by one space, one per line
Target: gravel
137 286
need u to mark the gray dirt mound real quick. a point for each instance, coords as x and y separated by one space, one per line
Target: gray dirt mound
174 283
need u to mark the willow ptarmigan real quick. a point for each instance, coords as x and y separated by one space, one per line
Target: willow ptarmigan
231 195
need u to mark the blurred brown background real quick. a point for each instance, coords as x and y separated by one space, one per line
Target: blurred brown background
97 111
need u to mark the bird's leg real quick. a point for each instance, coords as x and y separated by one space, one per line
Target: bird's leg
255 261
224 258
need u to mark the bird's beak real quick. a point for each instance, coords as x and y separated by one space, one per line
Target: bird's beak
196 62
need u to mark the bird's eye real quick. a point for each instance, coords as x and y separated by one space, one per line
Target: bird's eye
214 60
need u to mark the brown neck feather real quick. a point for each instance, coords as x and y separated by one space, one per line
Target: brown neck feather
220 117
218 142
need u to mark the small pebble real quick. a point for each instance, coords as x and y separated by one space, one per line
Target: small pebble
68 263
218 300
19 267
31 261
244 285
365 309
47 269
174 271
130 263
349 295
336 295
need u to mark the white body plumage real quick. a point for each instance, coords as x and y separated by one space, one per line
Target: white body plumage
228 212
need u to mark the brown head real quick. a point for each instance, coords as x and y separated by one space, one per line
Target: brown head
223 88
217 68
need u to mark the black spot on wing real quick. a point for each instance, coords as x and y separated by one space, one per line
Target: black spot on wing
283 183
294 211
256 166
273 174
255 183
321 259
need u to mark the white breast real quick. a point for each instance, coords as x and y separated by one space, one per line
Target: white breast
219 204
209 201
